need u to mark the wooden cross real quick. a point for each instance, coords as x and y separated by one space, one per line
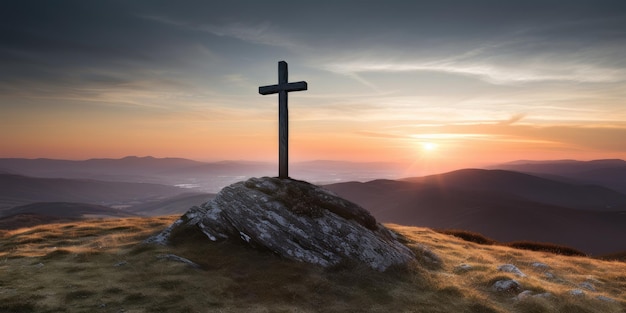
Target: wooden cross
282 88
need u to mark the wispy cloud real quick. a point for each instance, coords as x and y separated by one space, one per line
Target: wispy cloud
536 70
259 33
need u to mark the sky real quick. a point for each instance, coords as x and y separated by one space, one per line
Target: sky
434 85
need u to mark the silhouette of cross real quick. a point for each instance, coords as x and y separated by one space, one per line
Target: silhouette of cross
282 88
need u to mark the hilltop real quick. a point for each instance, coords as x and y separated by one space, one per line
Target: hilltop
102 266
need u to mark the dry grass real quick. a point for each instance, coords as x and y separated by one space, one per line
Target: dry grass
100 266
524 244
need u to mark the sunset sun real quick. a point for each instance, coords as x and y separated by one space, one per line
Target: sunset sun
429 146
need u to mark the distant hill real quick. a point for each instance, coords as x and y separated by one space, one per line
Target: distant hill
529 187
506 206
18 190
199 176
610 173
202 176
29 220
175 205
67 210
132 168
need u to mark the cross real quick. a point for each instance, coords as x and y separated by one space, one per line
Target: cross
282 88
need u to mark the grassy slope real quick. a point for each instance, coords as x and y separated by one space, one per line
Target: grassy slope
98 266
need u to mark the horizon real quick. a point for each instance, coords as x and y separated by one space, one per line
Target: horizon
435 86
389 170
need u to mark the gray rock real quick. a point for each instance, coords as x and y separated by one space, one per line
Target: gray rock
427 255
529 294
510 268
543 295
587 285
464 267
173 257
606 299
508 285
540 266
577 292
163 237
524 294
296 220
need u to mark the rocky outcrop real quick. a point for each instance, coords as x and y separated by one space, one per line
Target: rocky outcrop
296 220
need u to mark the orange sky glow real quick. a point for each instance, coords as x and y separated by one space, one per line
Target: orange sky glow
397 88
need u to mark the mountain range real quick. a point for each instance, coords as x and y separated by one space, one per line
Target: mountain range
609 173
55 196
504 205
19 190
574 203
207 177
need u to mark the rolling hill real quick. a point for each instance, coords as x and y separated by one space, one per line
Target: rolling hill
130 167
67 210
506 206
16 190
54 212
200 176
29 220
610 173
175 205
529 187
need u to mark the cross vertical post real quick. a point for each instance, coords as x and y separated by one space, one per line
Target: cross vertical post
283 123
282 88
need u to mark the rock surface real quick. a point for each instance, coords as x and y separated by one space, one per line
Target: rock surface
510 268
296 220
508 285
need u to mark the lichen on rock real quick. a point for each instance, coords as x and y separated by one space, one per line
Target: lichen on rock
296 220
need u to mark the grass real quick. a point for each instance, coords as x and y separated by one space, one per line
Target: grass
101 266
547 247
524 245
468 236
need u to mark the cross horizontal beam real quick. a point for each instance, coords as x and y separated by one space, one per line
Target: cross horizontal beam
297 86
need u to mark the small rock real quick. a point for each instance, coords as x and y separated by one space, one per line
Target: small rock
428 255
38 265
121 263
509 285
577 292
543 295
510 268
540 266
549 275
524 294
464 267
606 299
588 286
173 257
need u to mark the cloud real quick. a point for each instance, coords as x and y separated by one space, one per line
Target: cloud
261 33
514 119
501 67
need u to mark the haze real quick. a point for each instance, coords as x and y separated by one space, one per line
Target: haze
434 85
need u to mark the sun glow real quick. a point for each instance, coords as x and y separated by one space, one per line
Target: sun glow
429 146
